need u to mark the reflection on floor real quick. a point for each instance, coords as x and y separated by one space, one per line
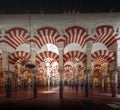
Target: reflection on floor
114 105
49 100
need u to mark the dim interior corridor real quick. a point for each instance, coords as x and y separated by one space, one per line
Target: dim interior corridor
60 61
49 99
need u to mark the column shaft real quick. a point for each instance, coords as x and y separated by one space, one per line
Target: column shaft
61 52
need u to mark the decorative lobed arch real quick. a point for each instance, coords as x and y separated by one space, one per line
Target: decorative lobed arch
98 67
106 34
46 35
19 55
73 61
16 36
48 58
102 60
46 54
109 56
76 34
73 34
75 54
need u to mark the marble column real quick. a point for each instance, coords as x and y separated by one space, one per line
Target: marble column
61 52
114 83
76 72
35 84
18 64
76 79
48 74
33 66
53 80
105 83
88 71
5 66
33 54
88 67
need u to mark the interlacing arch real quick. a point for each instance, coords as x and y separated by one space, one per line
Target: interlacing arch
67 74
75 54
46 35
100 59
99 68
71 60
16 36
68 67
109 56
19 55
76 34
46 54
106 34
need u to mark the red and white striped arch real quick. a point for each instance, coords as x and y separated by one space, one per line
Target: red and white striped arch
67 76
98 67
106 34
75 54
77 35
109 56
46 35
40 69
100 59
16 36
19 55
68 67
73 60
46 54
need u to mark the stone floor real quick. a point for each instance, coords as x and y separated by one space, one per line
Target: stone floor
48 100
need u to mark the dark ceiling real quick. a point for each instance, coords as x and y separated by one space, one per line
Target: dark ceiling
58 6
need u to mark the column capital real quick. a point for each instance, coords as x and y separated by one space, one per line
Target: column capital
89 45
60 45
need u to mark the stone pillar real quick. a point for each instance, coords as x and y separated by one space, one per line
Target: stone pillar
5 65
18 64
114 83
105 83
61 68
88 71
8 86
47 64
88 67
33 52
5 61
35 84
88 53
53 73
76 74
48 74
